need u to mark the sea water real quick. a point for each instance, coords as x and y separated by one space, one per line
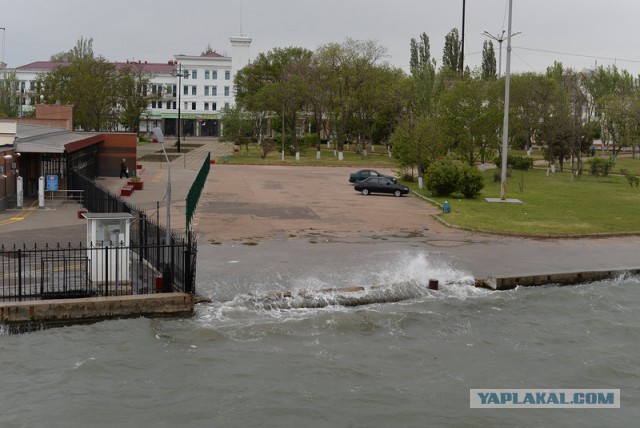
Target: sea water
411 363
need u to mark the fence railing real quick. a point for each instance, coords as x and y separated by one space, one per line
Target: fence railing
71 272
147 265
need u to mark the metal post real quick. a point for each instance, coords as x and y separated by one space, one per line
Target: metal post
106 270
19 275
179 103
505 124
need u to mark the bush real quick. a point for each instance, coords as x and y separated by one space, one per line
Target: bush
471 182
442 177
631 178
600 166
523 163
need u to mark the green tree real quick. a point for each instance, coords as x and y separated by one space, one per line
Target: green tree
91 85
469 115
451 55
133 96
488 60
82 50
348 66
276 82
9 98
238 126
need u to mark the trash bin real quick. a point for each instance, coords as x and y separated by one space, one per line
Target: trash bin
446 208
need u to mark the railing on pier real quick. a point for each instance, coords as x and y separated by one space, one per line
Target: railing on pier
147 265
80 271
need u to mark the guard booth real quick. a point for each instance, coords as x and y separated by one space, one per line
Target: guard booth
108 250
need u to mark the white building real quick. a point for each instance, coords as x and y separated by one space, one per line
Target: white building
195 87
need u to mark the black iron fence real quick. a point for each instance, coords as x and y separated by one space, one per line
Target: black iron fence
71 272
147 265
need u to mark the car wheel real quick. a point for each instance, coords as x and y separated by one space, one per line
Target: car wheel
365 192
397 193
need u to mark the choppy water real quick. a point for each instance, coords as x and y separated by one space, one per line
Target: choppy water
406 364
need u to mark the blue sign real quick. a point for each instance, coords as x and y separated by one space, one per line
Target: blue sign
52 182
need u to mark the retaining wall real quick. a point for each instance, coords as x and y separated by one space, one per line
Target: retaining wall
20 315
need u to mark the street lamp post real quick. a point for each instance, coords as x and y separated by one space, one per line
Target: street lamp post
179 74
499 38
4 31
157 132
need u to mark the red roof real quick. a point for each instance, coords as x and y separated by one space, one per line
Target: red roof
149 67
42 65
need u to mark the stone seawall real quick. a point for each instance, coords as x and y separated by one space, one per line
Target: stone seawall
33 314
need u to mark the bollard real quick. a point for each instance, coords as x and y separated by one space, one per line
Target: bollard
433 284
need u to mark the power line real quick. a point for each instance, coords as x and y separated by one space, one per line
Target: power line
575 54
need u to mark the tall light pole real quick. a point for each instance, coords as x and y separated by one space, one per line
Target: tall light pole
499 38
505 123
179 74
464 4
157 132
4 31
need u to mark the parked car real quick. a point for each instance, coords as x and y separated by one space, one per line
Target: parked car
380 185
366 173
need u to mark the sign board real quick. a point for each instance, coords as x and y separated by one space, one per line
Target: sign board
52 183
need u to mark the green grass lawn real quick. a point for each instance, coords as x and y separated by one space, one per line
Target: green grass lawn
552 205
379 158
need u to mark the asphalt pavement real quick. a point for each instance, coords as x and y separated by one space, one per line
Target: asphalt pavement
58 222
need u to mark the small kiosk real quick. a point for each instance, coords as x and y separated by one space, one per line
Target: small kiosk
108 247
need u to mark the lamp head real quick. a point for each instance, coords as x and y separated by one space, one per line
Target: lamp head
157 132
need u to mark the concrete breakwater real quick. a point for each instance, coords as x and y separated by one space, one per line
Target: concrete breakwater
29 315
565 278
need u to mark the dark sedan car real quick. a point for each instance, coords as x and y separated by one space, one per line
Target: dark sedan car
380 185
366 173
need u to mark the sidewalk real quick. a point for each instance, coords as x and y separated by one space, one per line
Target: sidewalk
58 222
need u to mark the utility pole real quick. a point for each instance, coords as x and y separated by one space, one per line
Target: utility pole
464 3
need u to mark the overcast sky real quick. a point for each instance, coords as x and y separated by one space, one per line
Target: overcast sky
578 33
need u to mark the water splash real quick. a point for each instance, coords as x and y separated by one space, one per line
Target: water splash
387 278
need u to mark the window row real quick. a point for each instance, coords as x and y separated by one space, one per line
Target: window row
208 90
208 74
172 105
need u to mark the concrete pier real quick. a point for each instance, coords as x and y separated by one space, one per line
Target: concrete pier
567 278
21 316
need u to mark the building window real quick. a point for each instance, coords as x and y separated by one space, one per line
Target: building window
206 74
214 90
175 105
171 89
193 90
154 89
206 90
226 91
153 104
194 74
214 106
186 74
226 105
214 74
186 90
227 75
193 106
159 104
206 106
